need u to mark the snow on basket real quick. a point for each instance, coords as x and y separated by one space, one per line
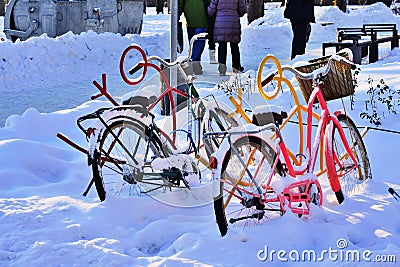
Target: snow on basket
339 82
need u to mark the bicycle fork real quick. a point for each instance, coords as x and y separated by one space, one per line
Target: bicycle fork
245 166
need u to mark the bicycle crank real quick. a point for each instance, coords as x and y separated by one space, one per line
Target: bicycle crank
254 201
131 176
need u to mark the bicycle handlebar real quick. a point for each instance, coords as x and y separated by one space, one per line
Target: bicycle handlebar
269 78
199 36
180 60
135 68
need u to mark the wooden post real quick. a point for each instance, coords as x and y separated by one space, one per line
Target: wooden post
255 10
2 8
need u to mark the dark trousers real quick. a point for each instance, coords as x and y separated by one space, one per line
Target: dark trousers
299 37
222 51
211 42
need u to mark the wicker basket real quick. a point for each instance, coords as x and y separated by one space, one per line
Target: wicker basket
339 82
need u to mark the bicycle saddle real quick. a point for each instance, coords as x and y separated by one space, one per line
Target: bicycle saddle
140 100
262 115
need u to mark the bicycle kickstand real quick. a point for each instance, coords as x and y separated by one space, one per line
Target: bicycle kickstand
88 187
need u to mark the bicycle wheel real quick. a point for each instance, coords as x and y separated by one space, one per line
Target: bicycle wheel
341 168
239 201
123 153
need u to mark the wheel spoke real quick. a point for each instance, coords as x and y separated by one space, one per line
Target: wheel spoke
120 172
349 173
244 174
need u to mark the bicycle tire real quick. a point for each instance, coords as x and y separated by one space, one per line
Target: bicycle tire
98 181
228 207
336 158
114 170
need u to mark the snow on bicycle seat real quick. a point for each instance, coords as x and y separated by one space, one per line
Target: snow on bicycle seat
144 97
264 114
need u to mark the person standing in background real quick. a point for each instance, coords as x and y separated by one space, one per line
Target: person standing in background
227 28
211 41
196 22
301 14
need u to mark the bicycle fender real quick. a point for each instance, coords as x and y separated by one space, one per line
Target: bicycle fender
334 182
110 116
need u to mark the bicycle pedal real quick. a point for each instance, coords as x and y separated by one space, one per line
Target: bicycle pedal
173 175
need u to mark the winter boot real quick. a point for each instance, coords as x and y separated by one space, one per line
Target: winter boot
222 69
197 69
238 70
212 57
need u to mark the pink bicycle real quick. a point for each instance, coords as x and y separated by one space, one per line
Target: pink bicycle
258 179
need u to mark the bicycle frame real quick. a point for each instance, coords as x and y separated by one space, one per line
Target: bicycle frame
312 149
324 118
264 192
169 91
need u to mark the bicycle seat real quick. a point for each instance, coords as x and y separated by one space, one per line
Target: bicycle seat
140 100
262 115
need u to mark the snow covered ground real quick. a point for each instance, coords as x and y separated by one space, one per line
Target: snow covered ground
46 85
